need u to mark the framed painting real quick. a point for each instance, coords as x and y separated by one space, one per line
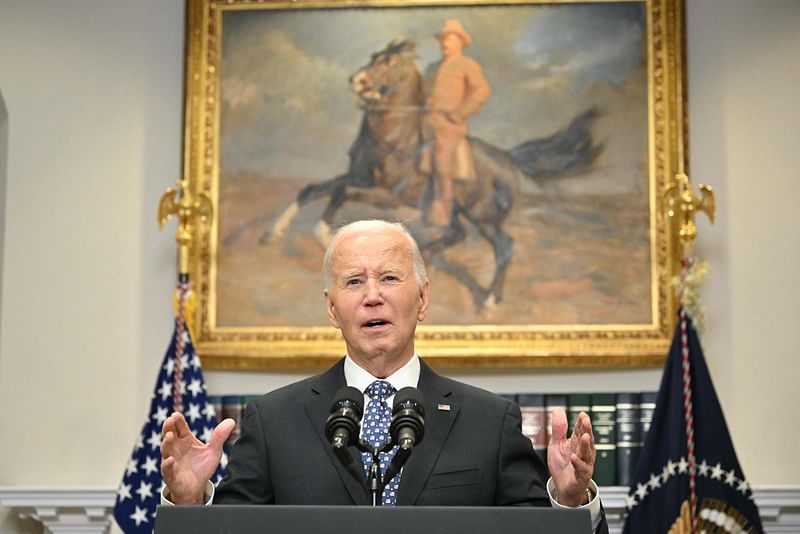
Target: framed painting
304 115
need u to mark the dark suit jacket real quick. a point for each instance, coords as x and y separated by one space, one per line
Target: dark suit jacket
473 452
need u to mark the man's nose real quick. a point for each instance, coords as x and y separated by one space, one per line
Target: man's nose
372 294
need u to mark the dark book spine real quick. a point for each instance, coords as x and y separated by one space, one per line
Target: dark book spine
604 426
534 422
647 407
629 436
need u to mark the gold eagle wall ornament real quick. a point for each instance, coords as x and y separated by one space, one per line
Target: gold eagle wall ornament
682 203
188 209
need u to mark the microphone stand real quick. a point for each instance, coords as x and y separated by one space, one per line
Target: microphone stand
376 485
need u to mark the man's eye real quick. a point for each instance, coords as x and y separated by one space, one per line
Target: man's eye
353 282
390 278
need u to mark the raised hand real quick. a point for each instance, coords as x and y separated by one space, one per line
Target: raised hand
186 462
571 460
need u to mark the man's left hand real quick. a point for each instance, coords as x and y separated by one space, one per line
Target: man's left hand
571 461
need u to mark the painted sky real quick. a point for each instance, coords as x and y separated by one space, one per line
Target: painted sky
287 109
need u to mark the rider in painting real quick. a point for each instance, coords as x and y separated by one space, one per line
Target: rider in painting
455 89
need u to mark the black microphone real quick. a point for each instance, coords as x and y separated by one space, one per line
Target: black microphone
408 418
407 428
342 428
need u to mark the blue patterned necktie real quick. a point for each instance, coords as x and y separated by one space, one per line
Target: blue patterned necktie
376 432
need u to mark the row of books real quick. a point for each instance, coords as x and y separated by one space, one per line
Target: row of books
620 422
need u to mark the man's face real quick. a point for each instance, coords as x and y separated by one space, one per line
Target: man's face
374 299
451 44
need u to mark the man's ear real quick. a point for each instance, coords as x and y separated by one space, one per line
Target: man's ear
424 293
329 309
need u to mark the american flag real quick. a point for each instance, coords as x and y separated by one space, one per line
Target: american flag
180 387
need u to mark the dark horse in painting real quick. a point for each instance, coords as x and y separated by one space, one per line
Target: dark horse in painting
385 169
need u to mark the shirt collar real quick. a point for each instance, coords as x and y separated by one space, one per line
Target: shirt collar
359 378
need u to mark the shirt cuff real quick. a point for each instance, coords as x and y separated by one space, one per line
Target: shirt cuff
593 505
208 495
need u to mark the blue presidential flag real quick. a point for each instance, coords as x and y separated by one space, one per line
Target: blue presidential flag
179 387
688 478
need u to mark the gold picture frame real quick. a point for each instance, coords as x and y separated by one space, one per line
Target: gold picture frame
589 281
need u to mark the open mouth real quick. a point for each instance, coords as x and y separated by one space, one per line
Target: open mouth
376 323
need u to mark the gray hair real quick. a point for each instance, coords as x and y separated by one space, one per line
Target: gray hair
374 226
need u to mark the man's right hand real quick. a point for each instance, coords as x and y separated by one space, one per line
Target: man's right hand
186 462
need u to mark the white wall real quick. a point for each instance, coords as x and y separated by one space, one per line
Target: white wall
94 97
3 180
93 91
745 141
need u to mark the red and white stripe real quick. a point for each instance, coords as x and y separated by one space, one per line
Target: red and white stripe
688 410
180 347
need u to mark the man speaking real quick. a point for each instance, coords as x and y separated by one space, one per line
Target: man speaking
473 452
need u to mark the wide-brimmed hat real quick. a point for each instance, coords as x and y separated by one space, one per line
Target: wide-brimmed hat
454 26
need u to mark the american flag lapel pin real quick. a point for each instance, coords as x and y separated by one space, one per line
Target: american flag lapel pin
443 407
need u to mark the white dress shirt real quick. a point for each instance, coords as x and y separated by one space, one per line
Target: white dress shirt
359 378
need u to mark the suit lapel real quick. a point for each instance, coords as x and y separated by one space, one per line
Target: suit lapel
318 408
440 413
